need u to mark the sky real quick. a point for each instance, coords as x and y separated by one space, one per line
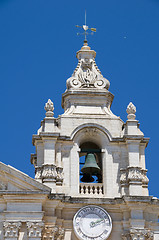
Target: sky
38 45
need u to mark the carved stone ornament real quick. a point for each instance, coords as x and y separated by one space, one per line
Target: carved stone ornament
38 172
50 232
87 74
92 132
49 108
49 171
35 229
59 177
53 232
131 110
133 174
60 234
11 229
137 234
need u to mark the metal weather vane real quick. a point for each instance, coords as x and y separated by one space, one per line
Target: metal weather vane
86 28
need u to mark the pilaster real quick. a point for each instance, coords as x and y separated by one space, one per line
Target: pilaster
34 230
11 230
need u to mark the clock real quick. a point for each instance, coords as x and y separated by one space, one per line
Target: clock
92 223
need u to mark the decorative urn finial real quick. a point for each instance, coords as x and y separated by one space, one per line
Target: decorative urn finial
49 108
131 110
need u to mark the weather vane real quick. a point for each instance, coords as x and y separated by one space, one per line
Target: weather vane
85 28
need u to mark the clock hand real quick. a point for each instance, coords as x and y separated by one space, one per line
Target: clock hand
93 224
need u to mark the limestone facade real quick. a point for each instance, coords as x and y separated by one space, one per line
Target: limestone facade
44 207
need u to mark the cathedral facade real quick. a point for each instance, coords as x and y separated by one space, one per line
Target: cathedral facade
90 176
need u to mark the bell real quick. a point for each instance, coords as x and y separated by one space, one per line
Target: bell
87 178
90 166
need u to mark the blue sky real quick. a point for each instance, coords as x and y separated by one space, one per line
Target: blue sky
38 44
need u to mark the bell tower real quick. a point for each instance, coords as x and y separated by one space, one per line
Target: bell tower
88 151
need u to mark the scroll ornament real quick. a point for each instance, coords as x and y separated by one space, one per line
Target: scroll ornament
87 75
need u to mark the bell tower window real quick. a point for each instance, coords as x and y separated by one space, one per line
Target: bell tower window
90 163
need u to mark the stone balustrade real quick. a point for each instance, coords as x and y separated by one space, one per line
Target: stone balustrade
91 189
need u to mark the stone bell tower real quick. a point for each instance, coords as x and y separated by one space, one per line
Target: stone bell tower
94 163
89 126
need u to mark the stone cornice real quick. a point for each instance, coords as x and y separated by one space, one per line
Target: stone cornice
122 200
125 138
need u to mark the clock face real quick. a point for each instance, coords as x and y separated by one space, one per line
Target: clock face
92 222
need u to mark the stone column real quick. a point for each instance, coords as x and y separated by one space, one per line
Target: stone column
49 150
49 169
35 230
134 169
11 230
66 166
74 170
59 168
134 137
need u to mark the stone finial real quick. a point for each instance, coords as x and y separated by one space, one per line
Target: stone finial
131 110
49 108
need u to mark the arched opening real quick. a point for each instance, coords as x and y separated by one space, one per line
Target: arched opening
90 161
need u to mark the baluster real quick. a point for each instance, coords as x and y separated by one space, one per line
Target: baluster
86 189
82 190
91 189
100 190
95 190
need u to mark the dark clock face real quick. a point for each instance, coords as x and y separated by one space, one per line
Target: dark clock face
92 222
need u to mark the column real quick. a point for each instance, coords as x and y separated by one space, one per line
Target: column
74 170
66 167
134 170
49 169
59 168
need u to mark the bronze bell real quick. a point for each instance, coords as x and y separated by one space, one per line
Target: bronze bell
90 166
87 178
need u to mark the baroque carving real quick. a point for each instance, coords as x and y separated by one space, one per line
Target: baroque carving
131 110
133 174
49 172
53 233
137 234
145 179
35 229
123 176
38 171
92 132
87 74
60 234
50 232
49 108
11 229
59 177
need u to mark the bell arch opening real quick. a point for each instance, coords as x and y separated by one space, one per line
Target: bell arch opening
90 163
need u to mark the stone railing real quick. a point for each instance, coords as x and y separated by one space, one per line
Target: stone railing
91 189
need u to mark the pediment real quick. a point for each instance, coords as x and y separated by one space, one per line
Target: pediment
12 180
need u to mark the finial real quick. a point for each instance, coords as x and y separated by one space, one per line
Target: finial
131 110
49 108
85 28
